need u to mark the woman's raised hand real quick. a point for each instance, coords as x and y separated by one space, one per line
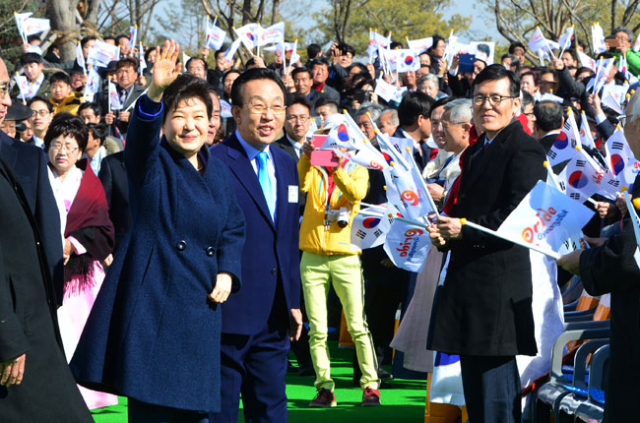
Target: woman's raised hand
165 69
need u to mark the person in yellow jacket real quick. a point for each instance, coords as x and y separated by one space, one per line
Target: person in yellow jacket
333 196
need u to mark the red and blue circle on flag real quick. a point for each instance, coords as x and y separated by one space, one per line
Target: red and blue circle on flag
343 134
561 142
578 179
370 222
617 162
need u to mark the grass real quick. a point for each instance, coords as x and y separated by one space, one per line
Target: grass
402 400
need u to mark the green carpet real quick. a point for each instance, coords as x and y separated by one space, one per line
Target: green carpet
402 400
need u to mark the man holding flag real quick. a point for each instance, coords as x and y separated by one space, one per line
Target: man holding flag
483 309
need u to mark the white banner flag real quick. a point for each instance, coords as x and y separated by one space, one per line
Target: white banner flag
33 26
545 218
20 19
102 53
586 61
271 35
367 157
215 37
231 51
407 246
133 35
114 98
597 35
420 45
389 92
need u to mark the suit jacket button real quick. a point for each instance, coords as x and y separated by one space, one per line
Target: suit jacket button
182 245
274 271
210 251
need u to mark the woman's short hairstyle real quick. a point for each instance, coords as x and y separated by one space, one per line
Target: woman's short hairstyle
67 125
186 87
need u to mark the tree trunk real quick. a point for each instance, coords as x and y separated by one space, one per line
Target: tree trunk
63 21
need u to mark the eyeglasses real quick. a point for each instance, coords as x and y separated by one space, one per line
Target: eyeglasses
58 146
258 109
494 99
298 119
41 113
4 90
446 124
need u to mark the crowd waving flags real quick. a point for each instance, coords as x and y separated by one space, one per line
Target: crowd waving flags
400 125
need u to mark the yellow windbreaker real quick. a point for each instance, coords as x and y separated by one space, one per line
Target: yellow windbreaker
352 184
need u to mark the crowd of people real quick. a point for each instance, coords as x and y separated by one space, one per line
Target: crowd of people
182 244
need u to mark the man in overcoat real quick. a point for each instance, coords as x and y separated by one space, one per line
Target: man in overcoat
483 310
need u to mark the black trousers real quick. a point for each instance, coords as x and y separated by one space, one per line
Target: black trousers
491 389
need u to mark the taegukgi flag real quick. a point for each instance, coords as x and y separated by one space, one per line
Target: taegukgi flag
564 148
621 160
215 36
369 229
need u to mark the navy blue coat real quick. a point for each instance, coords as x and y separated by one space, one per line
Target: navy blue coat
270 253
152 334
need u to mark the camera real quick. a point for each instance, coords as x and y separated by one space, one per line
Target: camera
341 217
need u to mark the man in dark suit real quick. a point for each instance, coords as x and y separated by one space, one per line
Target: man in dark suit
33 368
113 176
548 123
28 163
256 319
482 312
610 267
128 91
415 123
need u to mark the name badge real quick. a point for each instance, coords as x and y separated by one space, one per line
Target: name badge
293 194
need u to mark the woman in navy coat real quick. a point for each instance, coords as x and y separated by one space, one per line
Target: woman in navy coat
154 332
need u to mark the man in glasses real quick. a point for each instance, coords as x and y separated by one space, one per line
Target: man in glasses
256 319
483 312
296 125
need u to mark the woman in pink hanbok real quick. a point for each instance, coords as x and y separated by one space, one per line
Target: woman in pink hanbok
87 233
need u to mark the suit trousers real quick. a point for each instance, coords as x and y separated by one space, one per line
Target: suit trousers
491 389
255 366
317 273
142 412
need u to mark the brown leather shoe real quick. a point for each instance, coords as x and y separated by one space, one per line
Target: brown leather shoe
370 397
324 399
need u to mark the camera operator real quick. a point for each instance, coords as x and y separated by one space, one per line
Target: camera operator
333 194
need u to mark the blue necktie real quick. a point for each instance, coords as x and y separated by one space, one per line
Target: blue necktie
265 181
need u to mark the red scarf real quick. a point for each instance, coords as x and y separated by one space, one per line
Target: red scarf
89 209
452 199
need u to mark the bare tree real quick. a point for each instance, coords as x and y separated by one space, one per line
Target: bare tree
62 14
517 19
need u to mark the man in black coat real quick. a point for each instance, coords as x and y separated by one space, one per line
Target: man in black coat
415 123
482 312
35 382
28 163
610 267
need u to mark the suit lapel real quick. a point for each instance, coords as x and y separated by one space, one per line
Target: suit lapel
247 177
